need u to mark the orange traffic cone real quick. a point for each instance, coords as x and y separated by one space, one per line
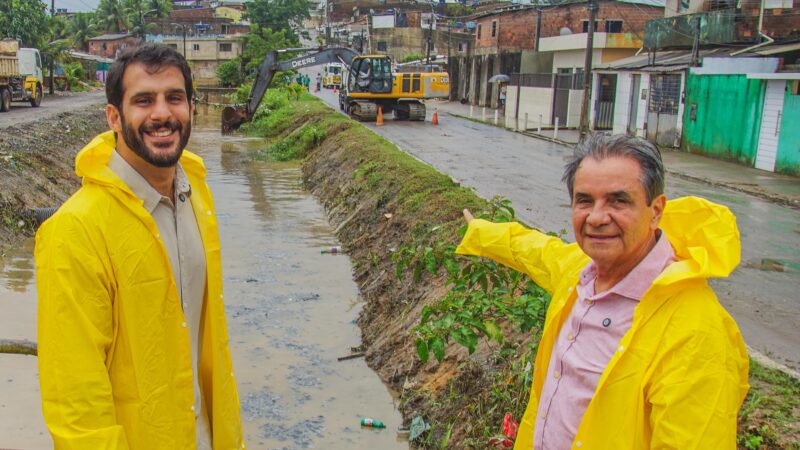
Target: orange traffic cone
379 122
435 118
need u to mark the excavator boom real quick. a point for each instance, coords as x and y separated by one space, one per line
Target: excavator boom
234 116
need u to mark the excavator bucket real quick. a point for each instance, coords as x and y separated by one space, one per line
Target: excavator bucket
232 118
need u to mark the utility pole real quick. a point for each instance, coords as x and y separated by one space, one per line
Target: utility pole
696 44
587 70
52 63
430 34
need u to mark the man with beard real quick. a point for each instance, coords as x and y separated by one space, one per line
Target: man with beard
133 346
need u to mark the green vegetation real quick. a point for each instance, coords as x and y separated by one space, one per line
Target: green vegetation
413 57
230 73
483 324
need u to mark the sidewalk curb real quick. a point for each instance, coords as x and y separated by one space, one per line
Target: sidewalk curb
773 198
770 363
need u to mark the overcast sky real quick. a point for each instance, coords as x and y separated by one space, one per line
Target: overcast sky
74 5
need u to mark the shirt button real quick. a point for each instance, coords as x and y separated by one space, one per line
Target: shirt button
589 302
571 337
557 375
184 325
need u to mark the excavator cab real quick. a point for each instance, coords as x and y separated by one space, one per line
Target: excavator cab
370 74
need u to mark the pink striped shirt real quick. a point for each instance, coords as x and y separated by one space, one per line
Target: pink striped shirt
587 342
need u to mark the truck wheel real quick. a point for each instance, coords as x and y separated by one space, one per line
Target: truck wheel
35 102
5 100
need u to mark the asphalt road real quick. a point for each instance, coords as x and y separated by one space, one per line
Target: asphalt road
526 170
22 112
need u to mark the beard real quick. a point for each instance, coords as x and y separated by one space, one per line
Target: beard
134 138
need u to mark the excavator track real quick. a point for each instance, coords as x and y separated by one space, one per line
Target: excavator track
363 111
416 111
409 110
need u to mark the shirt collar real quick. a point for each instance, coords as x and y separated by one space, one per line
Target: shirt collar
638 280
141 188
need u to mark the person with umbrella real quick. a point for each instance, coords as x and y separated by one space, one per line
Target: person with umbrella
502 80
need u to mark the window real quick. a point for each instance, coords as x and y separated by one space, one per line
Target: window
479 31
585 24
462 47
382 46
494 28
196 47
225 46
613 26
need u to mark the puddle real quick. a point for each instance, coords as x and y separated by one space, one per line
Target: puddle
291 313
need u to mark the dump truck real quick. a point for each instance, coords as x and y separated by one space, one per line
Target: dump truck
20 75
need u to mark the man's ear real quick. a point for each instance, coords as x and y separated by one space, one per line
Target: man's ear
114 118
658 205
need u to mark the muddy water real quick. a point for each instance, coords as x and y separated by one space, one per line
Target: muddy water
291 313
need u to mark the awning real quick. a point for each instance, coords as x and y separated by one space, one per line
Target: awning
776 49
774 76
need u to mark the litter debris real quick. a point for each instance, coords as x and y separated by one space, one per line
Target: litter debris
371 423
334 249
388 215
510 427
418 426
353 356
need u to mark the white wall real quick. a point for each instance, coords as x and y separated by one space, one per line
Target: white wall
622 105
386 21
643 102
574 108
574 58
736 66
533 101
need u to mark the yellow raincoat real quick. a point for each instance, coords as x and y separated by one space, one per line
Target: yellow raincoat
114 355
679 374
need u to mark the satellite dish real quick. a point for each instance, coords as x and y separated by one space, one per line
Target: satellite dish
564 31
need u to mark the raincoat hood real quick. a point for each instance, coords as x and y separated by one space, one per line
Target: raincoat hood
704 236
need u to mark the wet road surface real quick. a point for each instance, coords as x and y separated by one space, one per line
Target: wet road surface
290 309
762 294
23 112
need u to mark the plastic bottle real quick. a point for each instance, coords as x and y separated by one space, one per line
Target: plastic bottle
335 249
371 423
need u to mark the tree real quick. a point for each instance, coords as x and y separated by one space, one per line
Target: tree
230 73
137 14
278 15
111 16
25 20
159 8
261 40
81 28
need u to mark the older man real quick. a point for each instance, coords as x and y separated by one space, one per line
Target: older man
133 345
636 351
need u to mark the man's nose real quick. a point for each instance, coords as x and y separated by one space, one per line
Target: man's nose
160 111
598 216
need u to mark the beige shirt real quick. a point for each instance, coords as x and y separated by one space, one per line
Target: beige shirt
177 226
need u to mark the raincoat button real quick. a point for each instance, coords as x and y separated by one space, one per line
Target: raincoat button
192 407
208 213
184 325
621 347
579 444
158 236
569 289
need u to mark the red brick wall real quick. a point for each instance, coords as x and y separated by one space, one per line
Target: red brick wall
110 50
572 16
192 13
517 29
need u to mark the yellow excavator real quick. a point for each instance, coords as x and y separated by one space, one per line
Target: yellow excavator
368 84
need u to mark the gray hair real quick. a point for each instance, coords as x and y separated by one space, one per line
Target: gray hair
601 146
